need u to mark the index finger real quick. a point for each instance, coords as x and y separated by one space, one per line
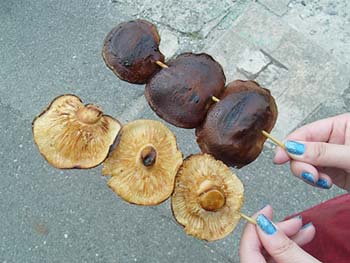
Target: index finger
318 131
250 246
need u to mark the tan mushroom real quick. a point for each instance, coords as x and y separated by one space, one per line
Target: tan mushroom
144 163
70 134
207 197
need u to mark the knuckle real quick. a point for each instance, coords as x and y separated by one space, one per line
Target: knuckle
318 153
284 248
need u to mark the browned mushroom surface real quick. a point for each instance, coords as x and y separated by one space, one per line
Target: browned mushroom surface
71 135
232 129
181 94
207 197
131 50
144 163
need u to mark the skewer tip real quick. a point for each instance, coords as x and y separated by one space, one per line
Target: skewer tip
161 64
215 99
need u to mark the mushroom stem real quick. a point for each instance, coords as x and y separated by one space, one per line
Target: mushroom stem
89 114
211 198
215 99
249 219
161 64
148 156
277 142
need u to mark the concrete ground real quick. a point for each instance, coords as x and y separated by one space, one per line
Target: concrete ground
300 50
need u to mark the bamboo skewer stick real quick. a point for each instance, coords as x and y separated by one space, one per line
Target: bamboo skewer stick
161 64
215 99
249 219
277 142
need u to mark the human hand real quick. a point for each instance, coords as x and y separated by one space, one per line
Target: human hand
279 243
319 152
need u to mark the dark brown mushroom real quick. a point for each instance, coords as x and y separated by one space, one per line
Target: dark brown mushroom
181 94
232 130
131 50
70 134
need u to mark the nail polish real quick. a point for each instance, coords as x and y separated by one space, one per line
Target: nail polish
294 147
265 224
323 183
308 177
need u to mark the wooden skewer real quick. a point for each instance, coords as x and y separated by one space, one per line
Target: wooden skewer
277 142
161 64
249 219
215 99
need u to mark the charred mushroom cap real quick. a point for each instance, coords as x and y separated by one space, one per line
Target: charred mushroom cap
71 135
181 94
144 163
232 129
207 197
131 49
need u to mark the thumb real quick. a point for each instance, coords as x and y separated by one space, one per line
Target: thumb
320 153
278 245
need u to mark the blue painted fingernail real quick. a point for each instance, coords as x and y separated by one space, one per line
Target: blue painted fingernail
293 147
265 225
307 225
309 177
323 183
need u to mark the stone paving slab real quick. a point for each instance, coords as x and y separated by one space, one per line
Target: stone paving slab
325 22
278 7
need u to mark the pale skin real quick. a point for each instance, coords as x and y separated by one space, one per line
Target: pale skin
326 156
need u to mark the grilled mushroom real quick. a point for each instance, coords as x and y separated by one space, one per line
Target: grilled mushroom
71 135
144 163
207 197
232 129
131 50
181 94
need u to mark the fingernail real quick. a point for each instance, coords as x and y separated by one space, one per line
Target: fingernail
308 177
307 225
265 224
293 147
323 183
